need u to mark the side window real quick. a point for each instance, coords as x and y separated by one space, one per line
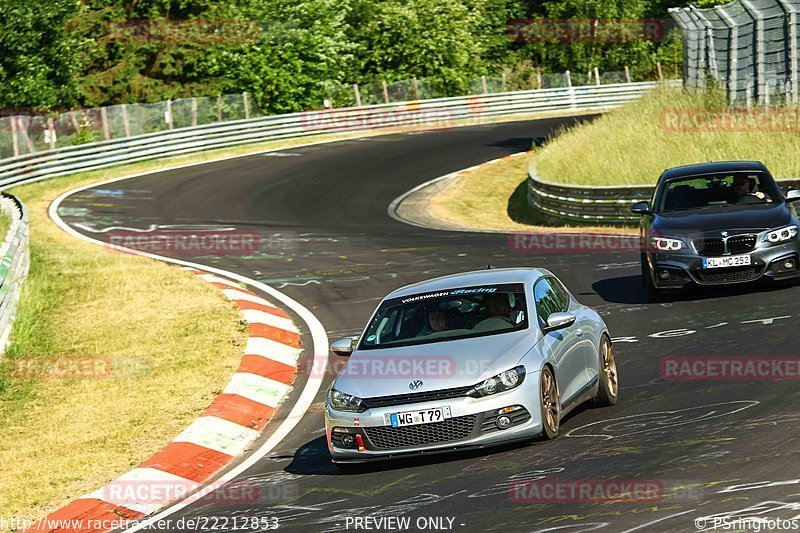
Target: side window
546 298
561 292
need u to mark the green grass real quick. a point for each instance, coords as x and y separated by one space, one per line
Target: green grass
173 341
629 146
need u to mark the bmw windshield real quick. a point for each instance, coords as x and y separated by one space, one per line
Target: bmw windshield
709 190
447 315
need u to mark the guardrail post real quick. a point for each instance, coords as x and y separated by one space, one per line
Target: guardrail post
104 120
246 105
126 123
385 91
357 94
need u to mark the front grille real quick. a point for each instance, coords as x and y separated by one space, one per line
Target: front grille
729 275
740 244
450 430
419 397
709 247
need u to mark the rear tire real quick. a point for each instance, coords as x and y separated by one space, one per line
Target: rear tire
549 403
608 386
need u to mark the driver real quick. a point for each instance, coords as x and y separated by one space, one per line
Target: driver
497 304
743 186
436 322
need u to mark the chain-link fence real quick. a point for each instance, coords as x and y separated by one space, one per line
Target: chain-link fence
748 48
23 133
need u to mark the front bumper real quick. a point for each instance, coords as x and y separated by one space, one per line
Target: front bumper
676 270
473 423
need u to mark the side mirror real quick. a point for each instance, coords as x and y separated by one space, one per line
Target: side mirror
793 195
641 208
344 346
559 321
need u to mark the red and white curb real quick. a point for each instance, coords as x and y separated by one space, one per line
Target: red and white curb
225 430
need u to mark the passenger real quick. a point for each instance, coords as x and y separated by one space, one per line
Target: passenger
497 304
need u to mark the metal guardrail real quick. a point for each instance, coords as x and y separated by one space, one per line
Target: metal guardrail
440 112
597 205
14 263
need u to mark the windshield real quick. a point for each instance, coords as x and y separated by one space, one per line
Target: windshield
447 315
708 190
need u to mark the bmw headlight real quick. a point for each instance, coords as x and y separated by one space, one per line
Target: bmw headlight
781 235
345 402
501 382
664 244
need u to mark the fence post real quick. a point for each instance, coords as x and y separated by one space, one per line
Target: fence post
14 140
710 48
23 130
596 76
660 72
385 91
168 114
483 84
733 53
104 120
627 74
51 133
761 78
246 105
538 77
568 77
416 88
503 82
357 94
219 108
791 10
126 123
74 120
194 111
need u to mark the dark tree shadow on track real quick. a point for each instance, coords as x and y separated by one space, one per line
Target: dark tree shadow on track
630 290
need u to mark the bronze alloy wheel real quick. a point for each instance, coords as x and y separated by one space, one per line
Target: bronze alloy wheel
551 405
608 389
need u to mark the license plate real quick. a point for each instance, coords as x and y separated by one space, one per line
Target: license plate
413 418
723 262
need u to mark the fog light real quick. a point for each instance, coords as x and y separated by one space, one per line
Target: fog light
503 422
348 441
788 264
663 274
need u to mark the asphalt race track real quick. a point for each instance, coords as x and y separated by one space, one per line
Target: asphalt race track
728 448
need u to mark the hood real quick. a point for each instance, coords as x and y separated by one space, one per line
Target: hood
758 217
439 365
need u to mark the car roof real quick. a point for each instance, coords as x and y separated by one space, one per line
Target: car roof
711 168
493 276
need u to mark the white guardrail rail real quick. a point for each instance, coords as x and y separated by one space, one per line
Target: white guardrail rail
422 114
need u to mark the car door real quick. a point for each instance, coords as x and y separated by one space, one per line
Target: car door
586 329
563 345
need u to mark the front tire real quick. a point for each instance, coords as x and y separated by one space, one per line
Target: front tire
651 293
550 404
608 388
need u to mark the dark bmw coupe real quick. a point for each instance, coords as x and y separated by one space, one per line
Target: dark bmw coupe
717 223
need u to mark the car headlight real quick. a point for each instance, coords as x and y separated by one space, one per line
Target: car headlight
664 244
345 402
781 235
501 382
